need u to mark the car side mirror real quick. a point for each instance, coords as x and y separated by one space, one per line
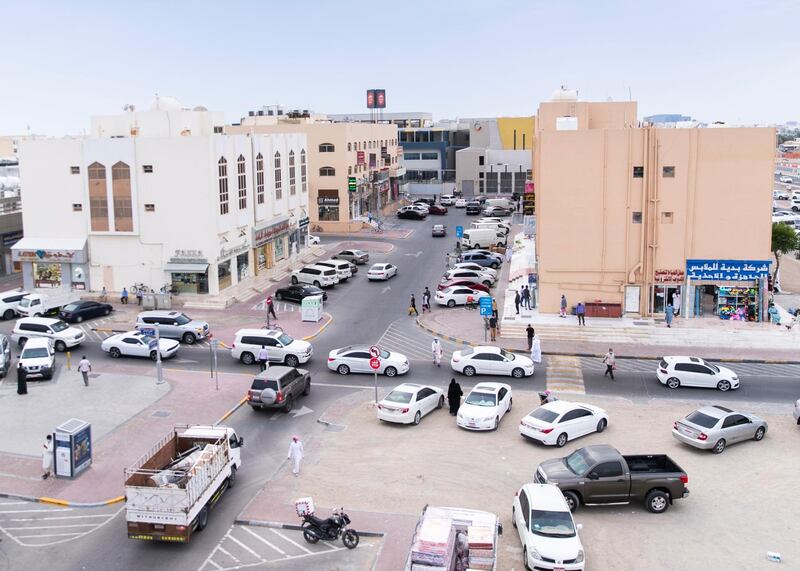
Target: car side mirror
579 526
499 529
593 476
241 441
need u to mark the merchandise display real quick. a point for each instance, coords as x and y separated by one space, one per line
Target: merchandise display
733 303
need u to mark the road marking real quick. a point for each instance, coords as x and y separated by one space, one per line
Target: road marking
267 543
50 535
301 412
301 547
243 546
228 553
385 289
209 560
33 511
564 375
52 518
52 526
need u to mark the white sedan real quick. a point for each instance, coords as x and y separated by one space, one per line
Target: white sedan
559 422
136 344
675 372
381 271
786 179
461 203
488 360
356 358
409 402
485 406
476 267
457 295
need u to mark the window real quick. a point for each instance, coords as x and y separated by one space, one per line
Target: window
638 172
733 420
429 156
241 179
349 170
349 147
525 508
608 470
326 148
149 207
480 160
260 178
668 172
74 170
328 205
218 129
222 167
292 186
98 198
278 189
303 179
636 217
123 209
147 168
327 171
77 207
666 217
480 175
411 156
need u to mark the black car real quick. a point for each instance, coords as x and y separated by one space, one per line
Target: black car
297 292
473 207
80 310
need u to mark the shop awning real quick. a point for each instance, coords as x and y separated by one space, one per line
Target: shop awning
187 268
60 244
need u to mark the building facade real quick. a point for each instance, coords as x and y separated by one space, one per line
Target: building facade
630 216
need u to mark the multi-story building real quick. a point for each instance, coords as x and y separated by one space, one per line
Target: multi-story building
161 197
628 216
10 210
354 168
429 152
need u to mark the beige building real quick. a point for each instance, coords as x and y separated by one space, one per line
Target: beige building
630 215
353 167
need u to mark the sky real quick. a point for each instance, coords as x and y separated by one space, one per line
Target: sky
62 62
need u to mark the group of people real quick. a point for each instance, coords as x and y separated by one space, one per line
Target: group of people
524 299
426 302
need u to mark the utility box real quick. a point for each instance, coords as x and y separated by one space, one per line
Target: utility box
73 448
156 301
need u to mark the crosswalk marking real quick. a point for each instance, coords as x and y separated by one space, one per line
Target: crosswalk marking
416 346
564 375
649 366
265 542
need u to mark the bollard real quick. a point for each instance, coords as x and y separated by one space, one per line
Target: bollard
69 360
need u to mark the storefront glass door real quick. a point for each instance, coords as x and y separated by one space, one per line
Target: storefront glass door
662 295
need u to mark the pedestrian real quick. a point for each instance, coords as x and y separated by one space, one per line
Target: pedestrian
528 301
676 302
426 300
509 253
263 358
563 312
436 349
517 300
271 308
454 394
580 311
104 294
610 363
774 316
669 313
493 328
85 367
524 296
295 454
47 457
529 333
412 308
22 380
536 350
124 297
139 296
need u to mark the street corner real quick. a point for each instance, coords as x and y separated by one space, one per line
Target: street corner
369 246
459 325
335 417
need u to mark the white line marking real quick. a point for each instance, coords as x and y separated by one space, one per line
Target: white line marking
48 535
52 526
14 503
228 553
212 562
301 547
33 511
57 517
258 537
243 546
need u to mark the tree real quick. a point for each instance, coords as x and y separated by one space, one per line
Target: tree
784 239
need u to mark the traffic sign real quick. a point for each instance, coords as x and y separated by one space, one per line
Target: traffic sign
153 344
485 305
459 231
147 331
375 351
375 363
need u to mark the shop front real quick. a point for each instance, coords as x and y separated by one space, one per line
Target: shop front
727 289
667 290
232 263
188 271
298 239
52 263
270 243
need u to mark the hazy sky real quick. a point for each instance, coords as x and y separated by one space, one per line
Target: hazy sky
734 60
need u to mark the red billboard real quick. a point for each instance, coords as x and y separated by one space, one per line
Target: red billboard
376 99
370 99
360 157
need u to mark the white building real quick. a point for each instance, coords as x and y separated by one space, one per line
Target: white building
161 197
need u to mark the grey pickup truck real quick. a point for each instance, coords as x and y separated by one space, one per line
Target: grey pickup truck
601 475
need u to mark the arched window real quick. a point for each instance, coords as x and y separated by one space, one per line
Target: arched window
327 171
121 189
292 187
222 169
350 170
98 198
303 179
241 177
349 146
278 186
260 178
326 148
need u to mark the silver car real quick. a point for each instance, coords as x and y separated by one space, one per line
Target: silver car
714 427
173 325
355 256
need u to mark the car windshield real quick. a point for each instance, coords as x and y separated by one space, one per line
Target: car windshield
285 339
385 354
145 338
182 319
544 415
467 351
481 399
577 462
71 307
552 524
35 353
399 397
507 355
59 326
711 366
701 419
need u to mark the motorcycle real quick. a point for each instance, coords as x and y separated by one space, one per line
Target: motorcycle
330 529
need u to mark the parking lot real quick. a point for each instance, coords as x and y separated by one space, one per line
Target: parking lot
741 501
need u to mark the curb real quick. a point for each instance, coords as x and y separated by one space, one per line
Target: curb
231 411
601 355
293 526
321 329
57 502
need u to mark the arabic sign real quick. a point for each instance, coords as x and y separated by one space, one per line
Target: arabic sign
265 233
360 157
727 270
669 276
63 256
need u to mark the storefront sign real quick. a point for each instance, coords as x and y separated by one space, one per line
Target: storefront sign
328 200
360 157
58 256
188 257
727 270
352 184
669 276
11 238
228 251
263 234
302 223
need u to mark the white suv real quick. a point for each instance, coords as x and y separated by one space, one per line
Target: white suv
281 348
342 268
62 335
38 358
320 276
447 200
9 300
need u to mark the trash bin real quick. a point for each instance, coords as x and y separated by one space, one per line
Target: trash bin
157 301
73 448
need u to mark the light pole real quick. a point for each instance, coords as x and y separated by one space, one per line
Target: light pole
159 370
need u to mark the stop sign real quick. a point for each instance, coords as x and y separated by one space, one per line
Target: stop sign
375 363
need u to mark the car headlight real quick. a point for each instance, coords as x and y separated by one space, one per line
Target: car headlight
460 416
579 558
535 554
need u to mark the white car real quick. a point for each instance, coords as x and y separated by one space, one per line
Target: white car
281 347
381 271
320 276
422 206
548 534
38 358
787 179
355 359
461 203
558 422
485 406
313 239
136 344
457 295
488 360
476 267
409 402
62 335
447 200
675 372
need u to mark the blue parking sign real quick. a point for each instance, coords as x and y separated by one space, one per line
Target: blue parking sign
459 231
486 306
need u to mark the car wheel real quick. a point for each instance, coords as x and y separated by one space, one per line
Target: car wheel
494 265
115 353
107 311
202 519
78 319
517 373
289 405
514 517
451 303
500 244
292 361
247 358
759 435
294 280
657 502
469 371
343 369
316 283
719 446
496 423
22 341
417 418
440 404
510 404
307 389
573 501
232 477
61 346
601 426
278 296
487 283
153 356
9 314
476 246
525 558
724 386
189 338
561 441
390 372
673 383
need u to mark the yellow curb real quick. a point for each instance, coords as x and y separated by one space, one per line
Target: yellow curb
321 329
115 500
54 501
231 411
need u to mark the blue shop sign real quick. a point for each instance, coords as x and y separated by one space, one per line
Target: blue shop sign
727 270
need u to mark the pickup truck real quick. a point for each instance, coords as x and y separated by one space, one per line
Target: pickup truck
601 475
40 304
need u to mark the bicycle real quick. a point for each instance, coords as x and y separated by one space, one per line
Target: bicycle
139 287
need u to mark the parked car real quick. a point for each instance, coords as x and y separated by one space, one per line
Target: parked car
313 240
476 277
355 359
787 179
281 347
496 211
695 372
796 412
601 475
447 200
381 271
320 276
474 266
425 201
488 360
460 203
477 238
342 268
9 300
781 195
558 422
457 295
546 530
80 310
422 206
355 256
296 292
438 230
714 427
62 335
499 226
278 387
40 304
437 210
137 344
411 213
483 258
38 358
173 325
485 406
5 355
409 402
442 285
473 207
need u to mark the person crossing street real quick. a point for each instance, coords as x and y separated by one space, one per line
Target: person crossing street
436 348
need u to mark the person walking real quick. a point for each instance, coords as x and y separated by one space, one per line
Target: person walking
676 302
669 313
610 362
139 296
436 349
22 380
580 311
536 351
271 308
529 333
47 457
124 297
426 300
104 294
295 454
412 308
563 312
85 367
528 297
454 394
524 297
263 358
493 328
517 300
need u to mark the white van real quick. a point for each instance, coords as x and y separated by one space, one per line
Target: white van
9 301
501 202
499 226
483 238
342 268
